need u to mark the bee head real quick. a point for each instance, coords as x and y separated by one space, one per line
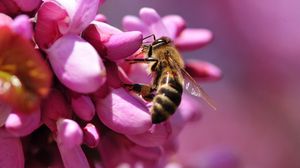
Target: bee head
161 42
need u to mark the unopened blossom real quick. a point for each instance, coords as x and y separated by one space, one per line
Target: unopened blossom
15 7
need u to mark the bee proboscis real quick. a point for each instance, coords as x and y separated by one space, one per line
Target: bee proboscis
169 79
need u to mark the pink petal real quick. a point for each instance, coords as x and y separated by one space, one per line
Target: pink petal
100 18
133 23
11 151
110 42
118 151
9 7
5 110
157 135
91 136
5 19
149 153
203 70
188 110
69 134
28 5
49 16
171 146
20 124
22 26
102 92
123 45
77 64
54 107
150 17
191 39
139 74
83 107
97 34
123 113
102 2
117 76
73 157
81 13
114 149
175 25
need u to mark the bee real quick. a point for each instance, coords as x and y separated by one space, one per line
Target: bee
169 78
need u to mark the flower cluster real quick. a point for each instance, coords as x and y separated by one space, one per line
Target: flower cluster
62 103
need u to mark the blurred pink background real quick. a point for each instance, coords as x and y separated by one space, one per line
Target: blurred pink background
257 46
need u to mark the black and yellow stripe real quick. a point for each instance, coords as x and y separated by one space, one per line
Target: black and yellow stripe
167 99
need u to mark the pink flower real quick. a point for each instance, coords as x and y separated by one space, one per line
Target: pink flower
68 54
172 26
57 122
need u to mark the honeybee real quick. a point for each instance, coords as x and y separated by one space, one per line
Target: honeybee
169 78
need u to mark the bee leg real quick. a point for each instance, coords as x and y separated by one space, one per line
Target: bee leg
146 91
141 60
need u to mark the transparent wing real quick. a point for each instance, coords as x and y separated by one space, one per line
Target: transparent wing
195 89
192 87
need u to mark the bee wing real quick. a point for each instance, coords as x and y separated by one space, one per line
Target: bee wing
192 87
195 89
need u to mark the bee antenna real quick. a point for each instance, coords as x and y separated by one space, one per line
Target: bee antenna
152 35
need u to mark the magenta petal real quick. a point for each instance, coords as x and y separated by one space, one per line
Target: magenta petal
100 18
99 33
155 136
117 76
91 136
190 39
81 14
114 150
111 42
28 5
188 110
49 15
9 7
133 23
139 74
77 64
20 124
149 153
5 110
22 26
175 25
69 134
154 22
54 107
83 107
203 70
11 151
123 113
73 157
123 45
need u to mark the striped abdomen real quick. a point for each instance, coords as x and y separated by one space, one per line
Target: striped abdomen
167 98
